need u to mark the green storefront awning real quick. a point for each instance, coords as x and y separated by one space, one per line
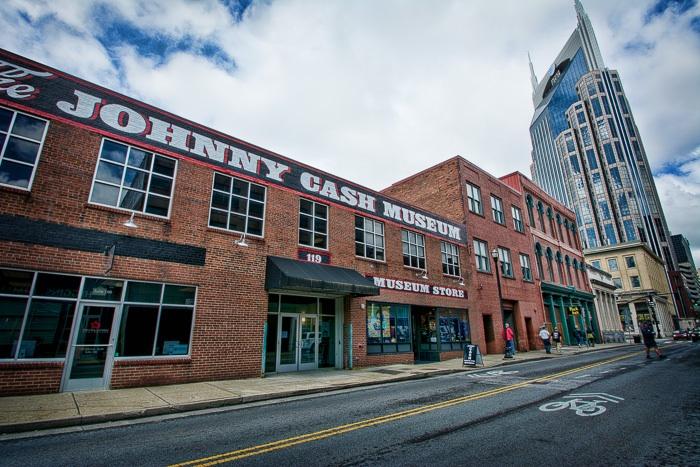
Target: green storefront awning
300 276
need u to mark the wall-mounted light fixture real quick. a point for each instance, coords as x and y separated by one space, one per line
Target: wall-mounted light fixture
130 223
423 274
241 241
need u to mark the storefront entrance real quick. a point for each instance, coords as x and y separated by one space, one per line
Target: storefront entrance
91 354
301 333
297 342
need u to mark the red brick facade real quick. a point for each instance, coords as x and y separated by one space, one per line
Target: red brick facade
443 189
231 306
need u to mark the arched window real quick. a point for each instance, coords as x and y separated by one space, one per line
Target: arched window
530 215
552 227
576 272
538 259
540 211
567 261
561 235
550 267
560 268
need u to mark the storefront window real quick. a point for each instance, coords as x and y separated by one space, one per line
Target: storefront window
388 329
141 322
103 289
454 329
48 321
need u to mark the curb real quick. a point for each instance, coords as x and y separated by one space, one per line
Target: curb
217 403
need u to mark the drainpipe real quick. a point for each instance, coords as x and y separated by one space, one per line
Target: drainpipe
350 348
264 348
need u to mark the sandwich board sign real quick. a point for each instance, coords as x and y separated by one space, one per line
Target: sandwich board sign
472 355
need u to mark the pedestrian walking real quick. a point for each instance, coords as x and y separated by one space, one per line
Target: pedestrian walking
544 335
579 337
649 337
590 337
556 338
509 336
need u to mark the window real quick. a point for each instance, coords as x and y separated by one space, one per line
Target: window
517 219
474 198
237 205
506 264
454 329
550 267
481 254
531 216
413 246
618 282
629 260
21 141
450 259
133 179
525 267
47 302
313 224
635 282
612 264
596 263
592 160
156 320
497 210
388 328
369 238
538 258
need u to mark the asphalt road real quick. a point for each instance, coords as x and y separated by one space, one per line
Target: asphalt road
610 407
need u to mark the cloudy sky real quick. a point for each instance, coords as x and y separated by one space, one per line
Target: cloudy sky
374 91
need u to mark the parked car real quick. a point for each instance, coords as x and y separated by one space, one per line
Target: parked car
680 335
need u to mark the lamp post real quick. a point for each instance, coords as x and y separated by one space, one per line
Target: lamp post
652 307
494 255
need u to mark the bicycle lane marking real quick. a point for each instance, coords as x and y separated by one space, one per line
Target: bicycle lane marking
341 429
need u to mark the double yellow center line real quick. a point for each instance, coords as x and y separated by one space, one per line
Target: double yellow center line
339 430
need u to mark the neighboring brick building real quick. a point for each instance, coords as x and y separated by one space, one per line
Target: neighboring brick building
139 248
492 213
566 291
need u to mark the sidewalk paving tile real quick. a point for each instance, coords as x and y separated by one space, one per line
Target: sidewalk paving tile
116 401
192 392
22 409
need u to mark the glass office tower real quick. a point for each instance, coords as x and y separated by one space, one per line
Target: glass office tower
587 151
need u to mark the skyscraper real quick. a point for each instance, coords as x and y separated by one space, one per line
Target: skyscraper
587 151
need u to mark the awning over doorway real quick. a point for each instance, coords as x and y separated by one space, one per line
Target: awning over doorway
300 276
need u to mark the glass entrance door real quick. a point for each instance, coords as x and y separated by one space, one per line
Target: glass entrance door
297 341
91 354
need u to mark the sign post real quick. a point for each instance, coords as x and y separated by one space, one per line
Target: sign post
472 355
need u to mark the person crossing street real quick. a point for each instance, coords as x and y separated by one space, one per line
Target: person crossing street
544 335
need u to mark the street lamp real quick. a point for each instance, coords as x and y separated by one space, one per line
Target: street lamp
652 307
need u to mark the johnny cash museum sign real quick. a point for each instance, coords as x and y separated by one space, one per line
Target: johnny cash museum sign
35 88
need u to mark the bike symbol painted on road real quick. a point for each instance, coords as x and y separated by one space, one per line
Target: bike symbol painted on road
492 373
585 404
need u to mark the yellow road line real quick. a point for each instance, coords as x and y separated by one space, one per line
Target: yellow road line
341 429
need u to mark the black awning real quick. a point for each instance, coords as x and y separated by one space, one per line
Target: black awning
300 276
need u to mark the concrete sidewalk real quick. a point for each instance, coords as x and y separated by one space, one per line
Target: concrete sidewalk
26 413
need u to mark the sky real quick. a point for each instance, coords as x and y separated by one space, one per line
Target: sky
374 91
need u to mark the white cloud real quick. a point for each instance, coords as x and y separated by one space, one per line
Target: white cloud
374 91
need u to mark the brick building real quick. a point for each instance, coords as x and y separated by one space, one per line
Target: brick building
492 212
140 248
559 261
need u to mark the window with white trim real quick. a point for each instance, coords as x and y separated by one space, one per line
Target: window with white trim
497 210
369 238
481 255
506 264
450 259
133 179
237 205
413 247
474 198
525 267
517 219
313 224
21 140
